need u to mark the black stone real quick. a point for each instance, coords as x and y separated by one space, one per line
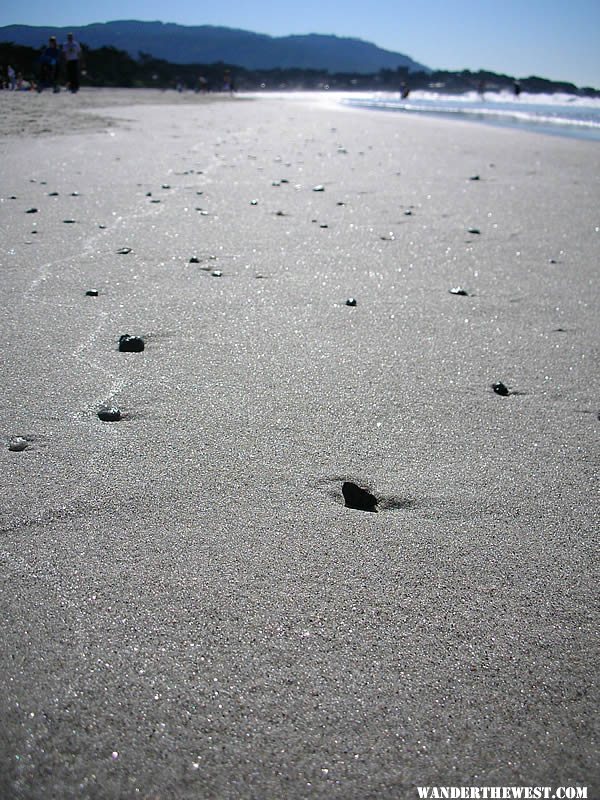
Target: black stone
52 194
130 344
458 290
92 293
122 251
319 188
109 414
408 213
361 499
500 388
31 211
351 301
474 230
194 260
69 221
474 178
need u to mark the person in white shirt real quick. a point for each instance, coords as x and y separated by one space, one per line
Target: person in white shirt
72 55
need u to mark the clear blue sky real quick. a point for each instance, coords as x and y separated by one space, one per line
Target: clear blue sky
556 39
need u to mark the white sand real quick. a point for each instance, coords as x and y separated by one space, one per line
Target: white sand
184 588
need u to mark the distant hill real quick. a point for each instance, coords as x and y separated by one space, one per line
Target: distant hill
206 44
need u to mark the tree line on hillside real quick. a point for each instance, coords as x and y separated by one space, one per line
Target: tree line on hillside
111 67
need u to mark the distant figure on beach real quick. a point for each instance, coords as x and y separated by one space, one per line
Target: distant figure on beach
404 91
228 82
12 78
481 89
72 55
517 88
49 66
202 85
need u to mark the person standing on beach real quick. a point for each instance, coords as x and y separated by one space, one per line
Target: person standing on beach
50 64
12 78
72 55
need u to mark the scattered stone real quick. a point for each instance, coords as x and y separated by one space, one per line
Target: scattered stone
500 388
351 301
474 230
553 261
52 194
356 497
253 202
342 150
148 194
31 211
389 238
340 203
280 214
109 414
155 201
216 273
13 197
102 227
17 444
92 293
319 188
166 186
124 250
130 344
275 183
69 221
199 193
74 194
284 180
194 260
474 178
408 213
458 290
203 213
323 225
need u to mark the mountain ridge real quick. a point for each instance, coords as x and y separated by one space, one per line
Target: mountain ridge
188 44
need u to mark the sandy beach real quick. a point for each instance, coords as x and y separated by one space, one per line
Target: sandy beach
189 610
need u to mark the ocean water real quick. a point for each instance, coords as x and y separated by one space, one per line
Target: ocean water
557 114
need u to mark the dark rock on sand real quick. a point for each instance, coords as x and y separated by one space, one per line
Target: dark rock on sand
17 444
351 301
319 188
356 497
69 221
52 194
474 230
500 388
31 211
109 414
194 260
474 178
131 344
92 293
459 290
122 251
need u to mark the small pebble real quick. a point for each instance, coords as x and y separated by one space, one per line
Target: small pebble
459 290
52 194
216 273
18 443
358 498
74 194
166 186
408 213
319 188
500 388
474 230
253 202
31 211
69 221
351 301
323 225
474 178
194 260
92 293
109 414
124 250
130 344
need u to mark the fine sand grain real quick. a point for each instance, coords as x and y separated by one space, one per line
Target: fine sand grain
189 609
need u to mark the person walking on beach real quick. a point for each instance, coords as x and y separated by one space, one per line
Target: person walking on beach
50 64
72 55
12 78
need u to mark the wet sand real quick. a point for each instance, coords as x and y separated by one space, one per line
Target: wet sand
190 611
